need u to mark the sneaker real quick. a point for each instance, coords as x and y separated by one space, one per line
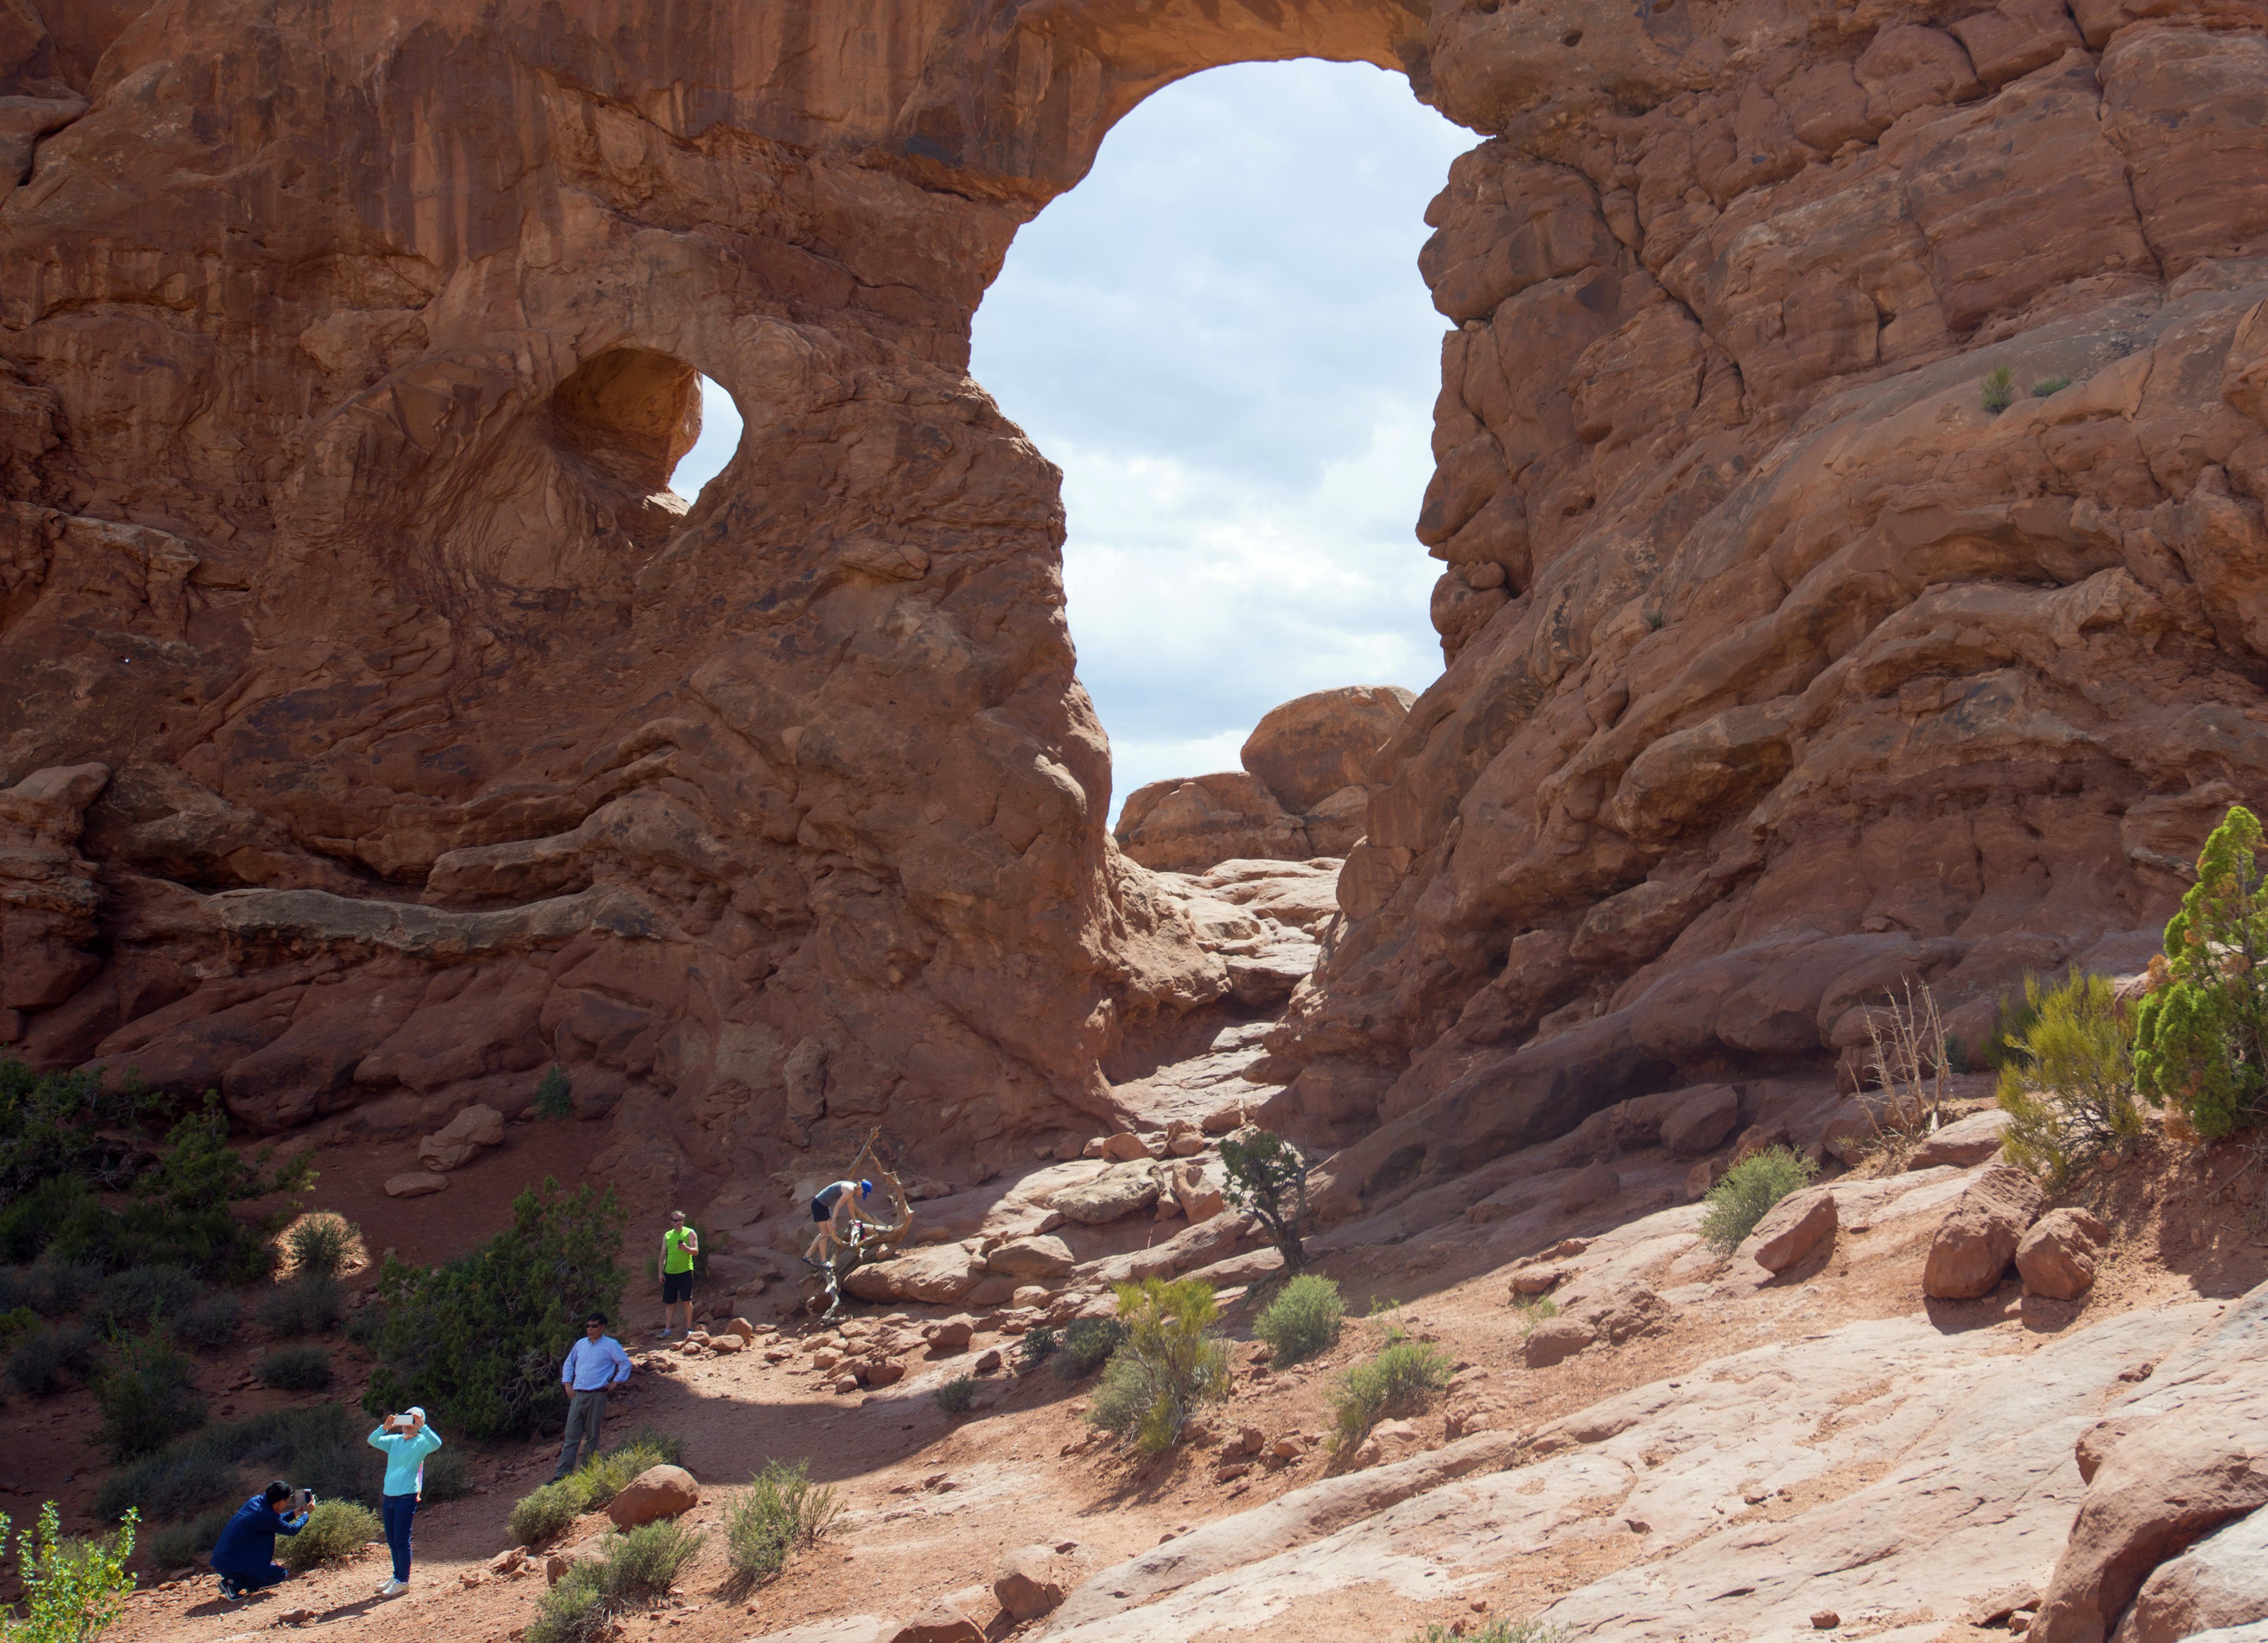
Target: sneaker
229 1591
666 1334
394 1589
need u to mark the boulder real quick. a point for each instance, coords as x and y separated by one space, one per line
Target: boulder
1623 1310
1964 1142
1979 1234
1554 1339
1196 1189
1032 1581
2168 1482
1791 1229
936 1275
416 1183
1701 1122
949 1335
1388 1440
460 1141
656 1493
1125 1147
1594 1184
1118 1192
1314 747
2222 1581
2058 1255
1044 1255
943 1621
1190 824
1759 1138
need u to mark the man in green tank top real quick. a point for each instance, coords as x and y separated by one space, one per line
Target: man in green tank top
680 1247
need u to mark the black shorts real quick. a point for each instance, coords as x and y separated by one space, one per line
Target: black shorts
822 1210
675 1287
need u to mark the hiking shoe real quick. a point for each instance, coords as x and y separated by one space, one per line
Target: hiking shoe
394 1589
230 1591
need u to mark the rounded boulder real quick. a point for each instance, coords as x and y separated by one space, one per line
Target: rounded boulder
656 1493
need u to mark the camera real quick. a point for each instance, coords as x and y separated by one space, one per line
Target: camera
302 1500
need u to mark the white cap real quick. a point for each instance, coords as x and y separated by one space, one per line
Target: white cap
414 1410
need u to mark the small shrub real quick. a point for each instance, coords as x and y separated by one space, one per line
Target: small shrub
141 1296
2069 1090
1086 1346
296 1369
2046 385
448 1474
144 1395
1495 1632
554 1098
208 1323
19 1323
333 1532
49 1287
180 1545
40 1365
2201 1035
1535 1312
1268 1179
72 1589
28 1223
611 1473
1748 1190
1038 1345
576 1611
1401 1380
2000 389
956 1395
311 1304
2012 1018
539 1515
1302 1320
1166 1368
631 1569
783 1509
323 1244
667 1448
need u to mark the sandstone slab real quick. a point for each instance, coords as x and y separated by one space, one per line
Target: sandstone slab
1964 1142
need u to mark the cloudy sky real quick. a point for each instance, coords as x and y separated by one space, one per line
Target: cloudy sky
1221 338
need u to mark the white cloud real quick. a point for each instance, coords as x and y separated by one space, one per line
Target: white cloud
1221 337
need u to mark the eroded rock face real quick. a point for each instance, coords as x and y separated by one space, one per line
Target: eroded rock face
442 743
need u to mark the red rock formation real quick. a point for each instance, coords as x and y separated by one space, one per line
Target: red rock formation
1301 793
342 349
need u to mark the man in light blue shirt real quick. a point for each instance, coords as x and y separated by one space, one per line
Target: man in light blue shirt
594 1364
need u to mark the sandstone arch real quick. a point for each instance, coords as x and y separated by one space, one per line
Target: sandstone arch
1771 646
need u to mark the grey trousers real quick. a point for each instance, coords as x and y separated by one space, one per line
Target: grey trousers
586 1413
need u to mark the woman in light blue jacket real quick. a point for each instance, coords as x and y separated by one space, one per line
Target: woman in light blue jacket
405 1439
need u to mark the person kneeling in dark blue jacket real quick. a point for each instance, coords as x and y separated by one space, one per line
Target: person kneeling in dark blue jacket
245 1555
